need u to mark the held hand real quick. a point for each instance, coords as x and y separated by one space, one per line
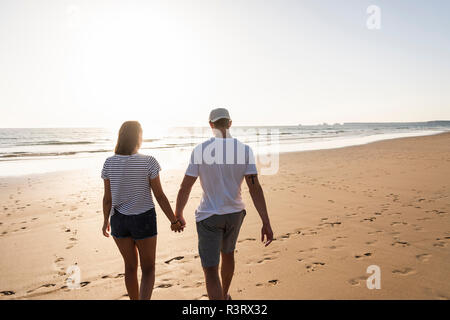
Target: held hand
266 231
176 227
182 221
106 228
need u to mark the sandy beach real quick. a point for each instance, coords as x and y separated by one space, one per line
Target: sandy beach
334 213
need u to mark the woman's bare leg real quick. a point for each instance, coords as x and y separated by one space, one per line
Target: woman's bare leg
127 248
147 252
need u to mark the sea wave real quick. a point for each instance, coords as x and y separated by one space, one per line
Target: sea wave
15 155
53 142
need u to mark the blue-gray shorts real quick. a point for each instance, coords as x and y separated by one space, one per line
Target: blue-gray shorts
216 234
138 226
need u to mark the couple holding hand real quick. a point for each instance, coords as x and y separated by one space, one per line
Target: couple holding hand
221 163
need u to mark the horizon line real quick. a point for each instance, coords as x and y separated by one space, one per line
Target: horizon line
279 125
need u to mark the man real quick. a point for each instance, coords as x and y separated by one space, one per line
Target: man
222 163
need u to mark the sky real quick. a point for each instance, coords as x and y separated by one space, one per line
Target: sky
167 63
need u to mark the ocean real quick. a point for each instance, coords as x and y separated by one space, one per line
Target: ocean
29 151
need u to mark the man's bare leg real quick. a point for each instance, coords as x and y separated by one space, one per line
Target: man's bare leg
227 272
213 285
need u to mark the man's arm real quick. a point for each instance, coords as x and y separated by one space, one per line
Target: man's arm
183 196
107 204
257 194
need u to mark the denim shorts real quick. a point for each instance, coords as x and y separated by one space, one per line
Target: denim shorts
216 234
138 226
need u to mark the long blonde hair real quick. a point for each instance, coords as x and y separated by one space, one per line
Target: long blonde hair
128 139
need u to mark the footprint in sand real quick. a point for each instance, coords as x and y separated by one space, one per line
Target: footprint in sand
58 266
400 244
273 282
269 256
175 258
396 223
404 272
284 236
314 266
247 239
265 259
441 296
58 260
360 256
332 224
164 285
311 232
437 212
338 238
424 257
439 244
47 285
335 247
196 285
357 281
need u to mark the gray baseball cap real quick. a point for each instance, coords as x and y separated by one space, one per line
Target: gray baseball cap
219 113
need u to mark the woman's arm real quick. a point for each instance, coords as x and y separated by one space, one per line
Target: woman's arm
107 204
163 202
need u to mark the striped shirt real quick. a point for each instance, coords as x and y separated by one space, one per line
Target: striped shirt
129 178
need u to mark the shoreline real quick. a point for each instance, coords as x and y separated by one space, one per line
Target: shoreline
334 212
177 168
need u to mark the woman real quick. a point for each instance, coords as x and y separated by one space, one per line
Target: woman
128 177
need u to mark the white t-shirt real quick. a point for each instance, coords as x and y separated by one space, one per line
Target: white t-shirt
221 164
